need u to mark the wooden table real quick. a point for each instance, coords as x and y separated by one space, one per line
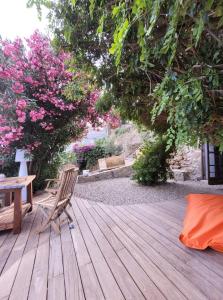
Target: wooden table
15 185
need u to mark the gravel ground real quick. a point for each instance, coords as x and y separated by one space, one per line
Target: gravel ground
126 191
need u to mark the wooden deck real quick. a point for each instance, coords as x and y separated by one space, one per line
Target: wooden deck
113 252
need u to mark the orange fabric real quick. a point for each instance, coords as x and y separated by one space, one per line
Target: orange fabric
203 223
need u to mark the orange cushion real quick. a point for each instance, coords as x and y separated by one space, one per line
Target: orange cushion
203 223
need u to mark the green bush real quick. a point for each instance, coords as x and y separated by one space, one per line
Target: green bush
151 166
93 156
87 156
52 167
109 147
122 130
8 166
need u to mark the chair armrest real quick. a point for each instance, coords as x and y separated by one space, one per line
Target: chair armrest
52 179
40 202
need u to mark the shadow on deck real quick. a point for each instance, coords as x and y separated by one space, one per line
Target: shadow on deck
113 252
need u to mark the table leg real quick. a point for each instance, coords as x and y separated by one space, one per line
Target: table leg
17 212
30 195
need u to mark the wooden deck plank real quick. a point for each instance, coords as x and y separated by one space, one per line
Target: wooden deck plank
3 237
171 273
172 249
173 207
105 277
24 273
73 284
108 284
197 278
55 258
91 285
113 252
56 284
147 287
153 272
6 249
56 289
39 280
159 223
123 278
10 269
172 244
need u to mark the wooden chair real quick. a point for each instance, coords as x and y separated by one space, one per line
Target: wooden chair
54 205
53 184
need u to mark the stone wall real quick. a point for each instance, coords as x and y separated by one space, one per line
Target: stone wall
186 164
125 171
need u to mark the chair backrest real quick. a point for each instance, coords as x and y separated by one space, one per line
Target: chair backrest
66 188
64 168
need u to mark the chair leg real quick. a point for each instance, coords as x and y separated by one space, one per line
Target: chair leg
55 227
68 215
48 222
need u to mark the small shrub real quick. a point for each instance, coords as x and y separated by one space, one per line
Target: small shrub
8 166
151 166
109 147
48 171
122 130
67 157
87 156
93 156
51 168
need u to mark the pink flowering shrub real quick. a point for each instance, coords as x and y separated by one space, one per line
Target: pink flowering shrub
43 105
34 84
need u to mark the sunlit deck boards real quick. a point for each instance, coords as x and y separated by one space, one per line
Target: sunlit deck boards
113 252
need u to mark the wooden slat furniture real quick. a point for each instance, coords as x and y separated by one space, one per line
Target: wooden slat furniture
54 183
11 216
55 204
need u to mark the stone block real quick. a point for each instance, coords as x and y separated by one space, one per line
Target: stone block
123 172
180 175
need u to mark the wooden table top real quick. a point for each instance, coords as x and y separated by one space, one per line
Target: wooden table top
15 182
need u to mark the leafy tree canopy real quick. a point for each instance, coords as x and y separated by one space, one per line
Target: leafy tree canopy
160 60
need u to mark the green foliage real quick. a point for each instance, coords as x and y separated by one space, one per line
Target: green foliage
8 166
51 168
119 37
161 60
122 130
87 156
104 103
151 166
66 158
109 147
92 156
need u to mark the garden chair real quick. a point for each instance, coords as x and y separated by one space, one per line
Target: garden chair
53 184
54 205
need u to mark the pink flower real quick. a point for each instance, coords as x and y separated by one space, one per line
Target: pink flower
21 104
28 79
9 136
18 88
37 115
